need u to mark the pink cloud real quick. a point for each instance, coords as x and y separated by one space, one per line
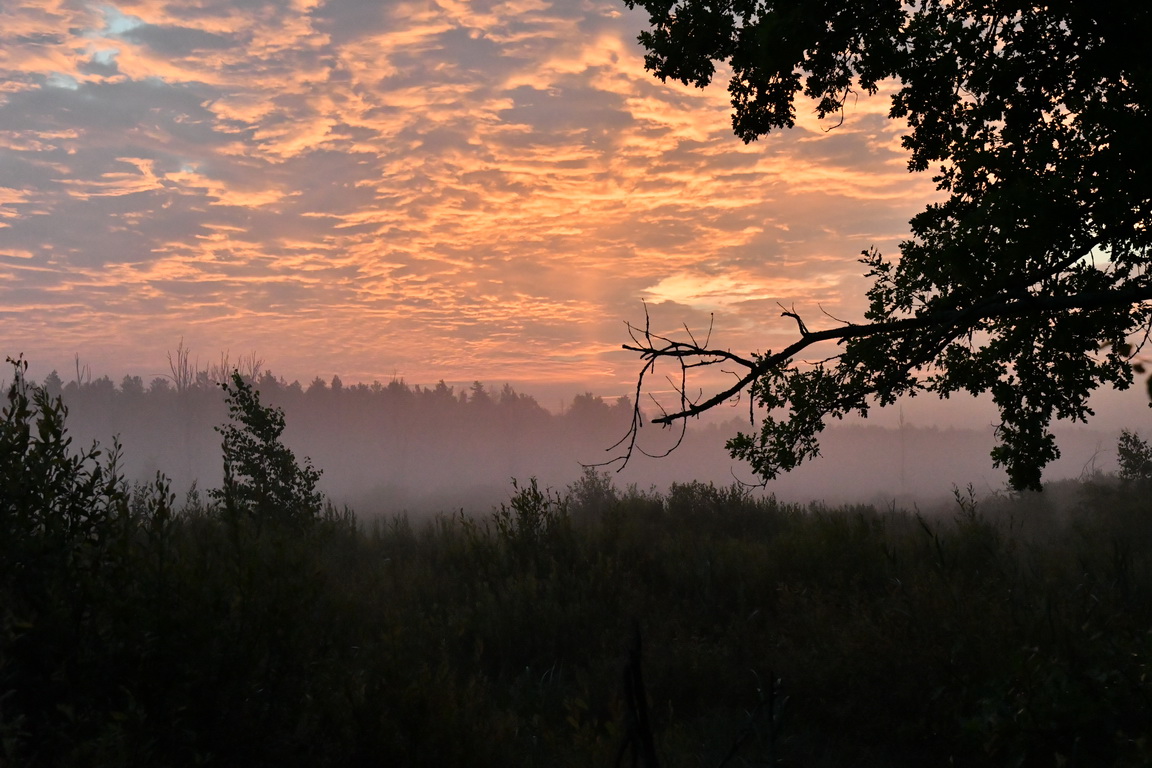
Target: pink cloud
459 190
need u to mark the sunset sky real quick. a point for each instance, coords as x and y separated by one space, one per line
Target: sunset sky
432 190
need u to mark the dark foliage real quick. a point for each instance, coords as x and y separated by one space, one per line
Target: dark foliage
262 479
1135 456
1028 279
136 632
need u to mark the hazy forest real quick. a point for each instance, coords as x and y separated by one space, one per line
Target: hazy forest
393 447
251 622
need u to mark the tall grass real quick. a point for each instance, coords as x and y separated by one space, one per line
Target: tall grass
135 630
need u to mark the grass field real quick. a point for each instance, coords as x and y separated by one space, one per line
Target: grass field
136 630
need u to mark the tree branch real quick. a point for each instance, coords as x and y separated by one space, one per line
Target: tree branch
947 324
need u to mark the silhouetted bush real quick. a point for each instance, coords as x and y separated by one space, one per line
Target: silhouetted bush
1135 458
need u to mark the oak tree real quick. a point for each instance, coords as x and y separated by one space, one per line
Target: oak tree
1029 280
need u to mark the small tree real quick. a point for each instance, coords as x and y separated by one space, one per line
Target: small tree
69 542
262 479
1135 457
54 501
1025 281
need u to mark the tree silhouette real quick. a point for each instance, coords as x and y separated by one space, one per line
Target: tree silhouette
1026 282
262 479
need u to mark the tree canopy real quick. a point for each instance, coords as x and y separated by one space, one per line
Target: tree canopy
1029 280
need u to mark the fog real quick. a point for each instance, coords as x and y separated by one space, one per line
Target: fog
392 448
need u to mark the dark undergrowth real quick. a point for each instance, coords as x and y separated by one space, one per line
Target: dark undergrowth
136 630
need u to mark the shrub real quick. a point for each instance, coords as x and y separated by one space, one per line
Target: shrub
69 535
592 495
530 517
1135 457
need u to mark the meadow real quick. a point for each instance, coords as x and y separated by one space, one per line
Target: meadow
256 625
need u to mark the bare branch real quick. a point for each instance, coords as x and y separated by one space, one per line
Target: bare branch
792 314
830 316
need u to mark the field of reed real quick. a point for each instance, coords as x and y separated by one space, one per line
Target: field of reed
697 626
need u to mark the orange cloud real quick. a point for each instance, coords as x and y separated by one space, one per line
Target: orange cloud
457 190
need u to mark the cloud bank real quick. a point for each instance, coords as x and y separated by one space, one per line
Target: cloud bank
451 189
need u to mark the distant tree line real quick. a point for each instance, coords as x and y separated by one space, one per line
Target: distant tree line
378 439
442 397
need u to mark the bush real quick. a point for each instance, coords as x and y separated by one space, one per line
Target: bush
70 531
531 519
1135 458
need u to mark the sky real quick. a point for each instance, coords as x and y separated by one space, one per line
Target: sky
457 190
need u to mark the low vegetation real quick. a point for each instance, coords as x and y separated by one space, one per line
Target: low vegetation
227 630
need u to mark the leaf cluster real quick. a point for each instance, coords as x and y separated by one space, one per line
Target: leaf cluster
1135 458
